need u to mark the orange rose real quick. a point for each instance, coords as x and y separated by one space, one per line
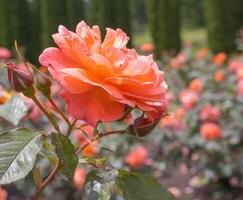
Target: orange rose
174 120
79 177
100 78
188 99
3 194
219 76
196 85
209 113
202 53
147 47
84 136
210 131
91 150
4 95
219 58
5 53
137 157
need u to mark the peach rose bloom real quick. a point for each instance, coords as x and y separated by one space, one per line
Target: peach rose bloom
219 58
210 131
91 150
100 78
137 158
79 177
83 138
5 53
209 113
196 85
188 99
202 53
219 75
4 95
234 65
174 120
3 194
147 47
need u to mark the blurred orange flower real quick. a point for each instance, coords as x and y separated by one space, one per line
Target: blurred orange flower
4 95
5 53
219 58
219 75
91 150
210 131
100 78
79 177
202 53
3 194
147 47
196 85
137 158
174 120
209 113
188 99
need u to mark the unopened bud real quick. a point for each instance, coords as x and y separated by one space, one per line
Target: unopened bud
19 77
142 126
43 84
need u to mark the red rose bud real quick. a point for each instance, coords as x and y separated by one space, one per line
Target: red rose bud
19 77
142 126
43 84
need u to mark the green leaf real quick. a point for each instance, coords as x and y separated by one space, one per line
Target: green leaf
66 152
136 186
99 184
18 150
13 110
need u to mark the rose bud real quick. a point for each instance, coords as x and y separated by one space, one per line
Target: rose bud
19 77
43 84
142 126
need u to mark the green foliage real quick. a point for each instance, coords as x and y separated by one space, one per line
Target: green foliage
65 151
100 185
15 23
164 22
222 20
13 110
124 17
139 187
56 12
110 13
75 12
52 14
18 152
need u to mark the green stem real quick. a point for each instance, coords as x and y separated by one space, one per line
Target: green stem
100 136
47 114
59 111
47 180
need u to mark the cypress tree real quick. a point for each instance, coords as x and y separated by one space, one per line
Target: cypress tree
111 13
103 13
15 23
5 28
53 13
221 24
95 12
75 12
164 22
123 16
